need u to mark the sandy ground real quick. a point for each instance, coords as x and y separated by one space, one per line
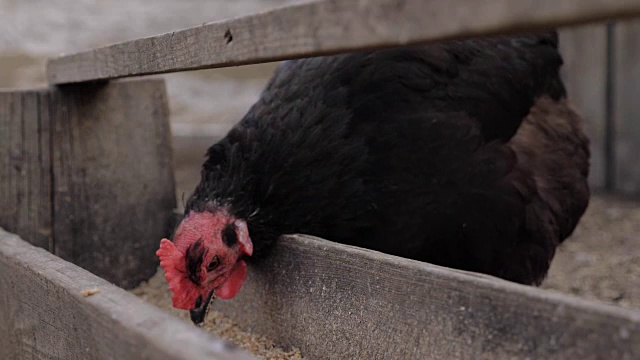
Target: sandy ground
601 261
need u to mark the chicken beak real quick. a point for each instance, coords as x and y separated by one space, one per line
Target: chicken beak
200 311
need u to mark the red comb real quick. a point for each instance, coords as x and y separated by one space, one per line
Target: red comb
184 291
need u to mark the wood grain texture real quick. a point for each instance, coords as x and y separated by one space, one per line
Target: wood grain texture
43 315
25 169
326 27
584 50
626 70
114 190
339 302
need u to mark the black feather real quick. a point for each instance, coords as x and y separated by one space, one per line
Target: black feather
229 236
403 150
193 261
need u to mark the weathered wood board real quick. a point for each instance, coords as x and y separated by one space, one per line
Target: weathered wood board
339 302
43 315
326 27
113 193
584 50
25 169
86 172
626 72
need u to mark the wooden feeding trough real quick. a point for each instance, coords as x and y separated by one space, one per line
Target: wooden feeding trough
86 179
52 309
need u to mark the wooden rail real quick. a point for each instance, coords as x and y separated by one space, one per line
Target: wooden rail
44 315
341 302
327 27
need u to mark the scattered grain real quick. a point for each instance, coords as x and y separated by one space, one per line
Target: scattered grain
156 292
89 292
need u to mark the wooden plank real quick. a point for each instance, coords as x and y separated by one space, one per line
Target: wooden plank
326 27
25 170
626 88
43 315
584 50
341 302
114 190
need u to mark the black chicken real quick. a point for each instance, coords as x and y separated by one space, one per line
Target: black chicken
464 154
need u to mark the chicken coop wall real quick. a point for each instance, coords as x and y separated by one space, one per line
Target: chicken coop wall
86 173
602 79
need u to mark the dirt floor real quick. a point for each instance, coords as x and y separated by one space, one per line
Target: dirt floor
600 262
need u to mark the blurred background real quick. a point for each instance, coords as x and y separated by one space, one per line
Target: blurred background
602 72
202 102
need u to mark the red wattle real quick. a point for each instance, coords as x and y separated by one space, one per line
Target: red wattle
230 288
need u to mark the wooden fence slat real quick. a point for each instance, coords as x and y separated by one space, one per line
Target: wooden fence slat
584 50
25 179
339 302
626 88
43 315
86 172
114 190
326 27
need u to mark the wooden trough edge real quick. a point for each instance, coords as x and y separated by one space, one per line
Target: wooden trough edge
44 315
326 27
341 302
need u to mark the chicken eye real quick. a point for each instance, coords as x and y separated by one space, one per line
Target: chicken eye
229 236
213 263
